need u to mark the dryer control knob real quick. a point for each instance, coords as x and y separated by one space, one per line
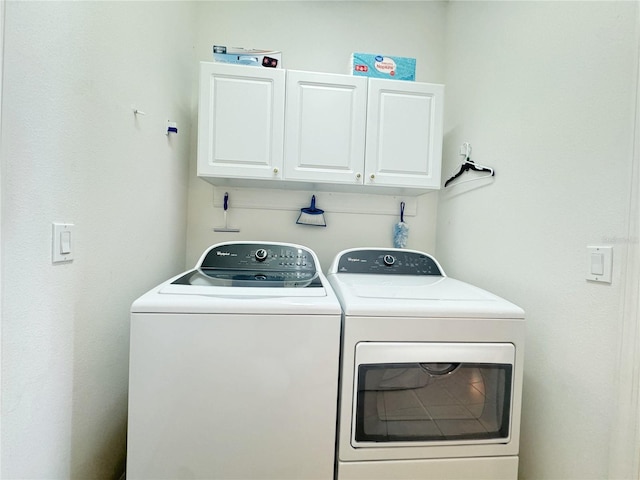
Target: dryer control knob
261 255
389 260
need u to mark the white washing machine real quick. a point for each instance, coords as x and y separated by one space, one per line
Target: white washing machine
431 372
234 367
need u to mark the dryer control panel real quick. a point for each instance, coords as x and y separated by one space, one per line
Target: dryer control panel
388 262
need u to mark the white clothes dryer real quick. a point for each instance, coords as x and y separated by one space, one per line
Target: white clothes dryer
234 367
431 371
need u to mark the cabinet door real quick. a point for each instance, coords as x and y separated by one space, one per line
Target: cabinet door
404 134
240 121
325 127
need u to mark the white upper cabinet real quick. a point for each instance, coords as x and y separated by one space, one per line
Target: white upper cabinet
240 121
257 125
325 125
404 134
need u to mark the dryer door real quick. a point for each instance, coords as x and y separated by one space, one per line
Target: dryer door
411 394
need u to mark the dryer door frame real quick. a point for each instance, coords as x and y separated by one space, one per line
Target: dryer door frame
409 394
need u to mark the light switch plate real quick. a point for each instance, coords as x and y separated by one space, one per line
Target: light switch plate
599 264
62 242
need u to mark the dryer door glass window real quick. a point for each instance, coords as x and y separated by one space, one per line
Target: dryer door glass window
467 400
433 402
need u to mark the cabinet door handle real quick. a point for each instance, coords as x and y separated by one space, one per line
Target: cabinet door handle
358 176
275 170
372 176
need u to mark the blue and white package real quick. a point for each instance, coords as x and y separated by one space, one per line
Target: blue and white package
382 66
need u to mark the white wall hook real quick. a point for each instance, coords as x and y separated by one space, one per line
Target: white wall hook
465 150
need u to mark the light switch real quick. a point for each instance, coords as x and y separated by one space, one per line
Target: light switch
597 264
61 242
600 264
65 242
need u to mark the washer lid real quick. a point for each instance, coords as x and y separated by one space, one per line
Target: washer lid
246 278
170 297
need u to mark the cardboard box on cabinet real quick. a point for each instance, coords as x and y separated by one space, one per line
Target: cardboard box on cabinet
383 66
247 56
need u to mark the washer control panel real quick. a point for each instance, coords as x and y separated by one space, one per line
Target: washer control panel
267 258
388 262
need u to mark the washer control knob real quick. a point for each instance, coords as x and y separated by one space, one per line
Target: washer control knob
389 260
261 255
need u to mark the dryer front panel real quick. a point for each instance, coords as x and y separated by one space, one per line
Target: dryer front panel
428 388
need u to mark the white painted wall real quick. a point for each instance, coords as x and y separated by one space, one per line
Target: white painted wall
545 92
2 15
318 36
72 151
624 459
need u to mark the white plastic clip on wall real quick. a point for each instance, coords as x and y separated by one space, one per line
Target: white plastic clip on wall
172 127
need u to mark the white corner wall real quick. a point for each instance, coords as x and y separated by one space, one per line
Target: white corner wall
318 36
545 93
73 151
